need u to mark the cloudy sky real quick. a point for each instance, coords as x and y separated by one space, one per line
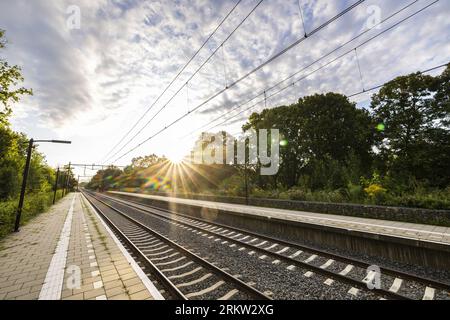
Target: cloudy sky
92 83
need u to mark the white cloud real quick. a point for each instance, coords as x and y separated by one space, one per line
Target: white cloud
92 84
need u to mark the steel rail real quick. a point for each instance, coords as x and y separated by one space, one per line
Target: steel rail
240 284
166 283
353 261
330 274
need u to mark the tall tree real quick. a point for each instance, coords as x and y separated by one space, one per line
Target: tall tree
323 130
12 144
10 77
413 112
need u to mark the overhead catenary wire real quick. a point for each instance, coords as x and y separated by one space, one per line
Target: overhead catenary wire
381 85
308 66
176 77
334 60
349 96
190 78
277 55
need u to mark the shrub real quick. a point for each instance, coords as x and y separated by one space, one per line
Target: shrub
355 192
297 194
375 190
34 204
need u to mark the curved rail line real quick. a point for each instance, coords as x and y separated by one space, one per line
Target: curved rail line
171 262
237 236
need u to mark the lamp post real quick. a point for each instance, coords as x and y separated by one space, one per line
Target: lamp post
25 177
66 181
246 183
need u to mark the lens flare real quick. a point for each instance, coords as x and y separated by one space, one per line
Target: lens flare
158 184
381 127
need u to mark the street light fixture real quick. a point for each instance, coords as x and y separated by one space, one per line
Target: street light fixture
25 177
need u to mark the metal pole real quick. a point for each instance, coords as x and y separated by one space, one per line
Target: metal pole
246 183
64 185
68 179
24 185
56 186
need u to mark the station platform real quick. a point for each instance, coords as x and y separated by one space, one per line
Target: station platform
68 253
408 231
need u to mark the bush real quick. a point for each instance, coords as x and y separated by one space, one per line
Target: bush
439 200
261 193
33 205
233 186
295 194
375 192
355 193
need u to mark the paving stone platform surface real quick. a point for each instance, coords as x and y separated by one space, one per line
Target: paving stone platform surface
67 253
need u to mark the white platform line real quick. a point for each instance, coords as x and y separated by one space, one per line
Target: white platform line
54 279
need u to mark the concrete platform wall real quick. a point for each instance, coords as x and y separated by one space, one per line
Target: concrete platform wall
413 215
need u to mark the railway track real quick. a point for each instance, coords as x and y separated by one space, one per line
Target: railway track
334 268
183 274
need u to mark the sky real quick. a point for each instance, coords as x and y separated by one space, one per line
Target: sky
94 80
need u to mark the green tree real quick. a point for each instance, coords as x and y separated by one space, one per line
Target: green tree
413 113
322 134
12 161
10 77
147 161
105 179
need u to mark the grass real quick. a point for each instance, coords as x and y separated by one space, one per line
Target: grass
34 204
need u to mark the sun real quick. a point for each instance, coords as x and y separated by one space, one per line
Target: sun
176 157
